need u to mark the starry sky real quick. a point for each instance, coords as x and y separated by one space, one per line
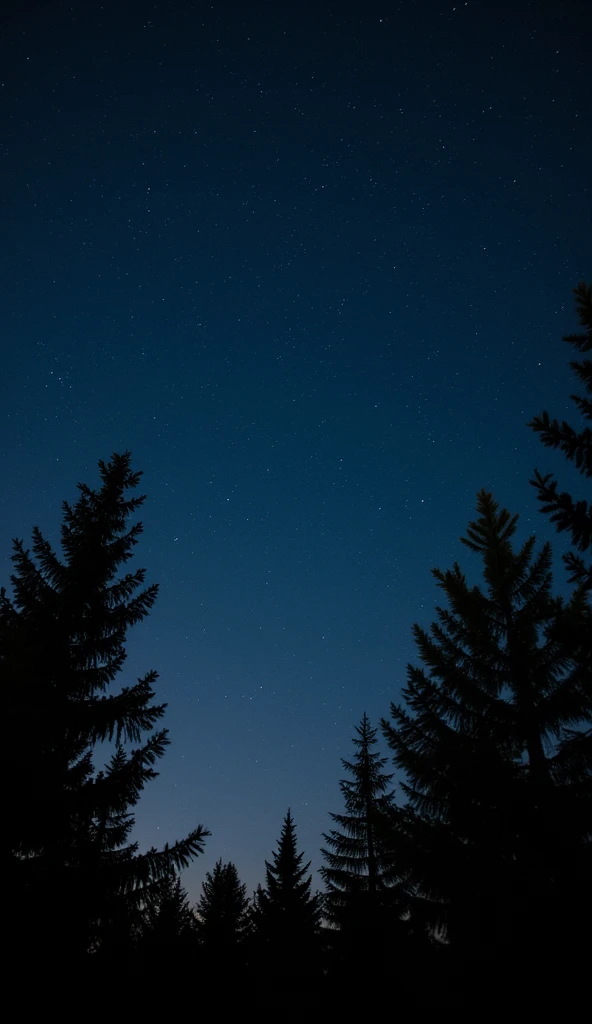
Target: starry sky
311 263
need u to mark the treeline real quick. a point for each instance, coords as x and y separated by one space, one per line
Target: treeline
469 881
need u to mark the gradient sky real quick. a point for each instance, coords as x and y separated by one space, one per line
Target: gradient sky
311 263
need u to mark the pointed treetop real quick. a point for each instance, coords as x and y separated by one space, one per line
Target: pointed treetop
287 884
492 526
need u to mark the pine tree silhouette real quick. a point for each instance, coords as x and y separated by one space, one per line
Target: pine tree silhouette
497 827
223 918
168 933
573 516
286 915
366 896
70 860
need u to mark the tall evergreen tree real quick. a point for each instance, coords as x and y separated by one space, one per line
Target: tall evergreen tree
366 896
497 829
573 516
223 916
68 854
355 858
286 914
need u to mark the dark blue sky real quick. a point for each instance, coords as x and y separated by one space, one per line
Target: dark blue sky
310 263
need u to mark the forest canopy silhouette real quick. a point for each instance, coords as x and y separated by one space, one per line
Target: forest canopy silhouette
459 863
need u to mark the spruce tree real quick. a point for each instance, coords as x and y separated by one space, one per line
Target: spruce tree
223 917
366 896
497 827
286 914
168 934
355 859
573 516
69 858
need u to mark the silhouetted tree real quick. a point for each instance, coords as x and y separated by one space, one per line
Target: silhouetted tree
497 828
286 914
223 916
365 896
573 516
168 935
69 858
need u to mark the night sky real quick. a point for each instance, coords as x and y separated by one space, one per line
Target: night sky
311 263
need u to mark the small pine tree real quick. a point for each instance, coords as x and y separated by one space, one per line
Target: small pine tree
366 897
573 516
223 916
168 932
62 644
286 914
